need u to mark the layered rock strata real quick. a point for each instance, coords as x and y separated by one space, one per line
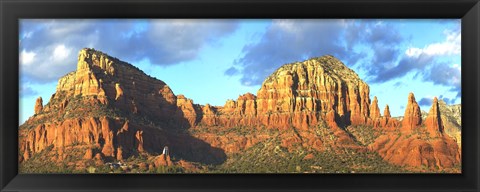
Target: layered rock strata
416 144
117 111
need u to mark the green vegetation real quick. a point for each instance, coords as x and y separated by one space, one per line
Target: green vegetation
39 163
270 157
238 130
364 135
84 106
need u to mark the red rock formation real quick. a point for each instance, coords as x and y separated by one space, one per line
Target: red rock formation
209 115
433 121
121 111
374 110
82 111
163 160
386 112
187 165
413 115
309 156
139 141
88 154
98 156
295 93
119 84
118 91
386 121
38 105
241 112
187 110
26 155
119 153
375 117
413 151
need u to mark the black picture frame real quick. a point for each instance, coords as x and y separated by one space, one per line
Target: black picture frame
13 10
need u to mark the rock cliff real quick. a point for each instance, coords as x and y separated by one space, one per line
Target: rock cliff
451 119
111 110
416 144
114 108
298 95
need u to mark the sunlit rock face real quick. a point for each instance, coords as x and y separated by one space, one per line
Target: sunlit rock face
413 115
38 106
416 144
108 105
299 95
310 89
111 110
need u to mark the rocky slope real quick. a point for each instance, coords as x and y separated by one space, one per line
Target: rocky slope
452 120
416 144
109 110
113 108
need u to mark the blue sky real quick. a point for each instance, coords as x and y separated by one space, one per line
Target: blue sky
211 61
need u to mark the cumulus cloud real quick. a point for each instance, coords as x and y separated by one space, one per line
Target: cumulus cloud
374 48
404 66
382 39
181 40
287 41
46 63
451 46
48 47
447 100
431 68
426 102
27 91
430 63
444 74
26 58
231 71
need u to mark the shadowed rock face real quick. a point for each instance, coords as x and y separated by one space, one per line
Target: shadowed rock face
298 95
114 107
116 111
310 89
433 122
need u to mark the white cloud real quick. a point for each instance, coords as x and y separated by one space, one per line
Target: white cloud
26 58
61 52
456 79
451 46
456 66
164 42
27 35
47 63
285 25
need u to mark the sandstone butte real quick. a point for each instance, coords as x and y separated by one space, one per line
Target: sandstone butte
114 110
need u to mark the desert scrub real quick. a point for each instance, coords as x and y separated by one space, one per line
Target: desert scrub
270 157
364 135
